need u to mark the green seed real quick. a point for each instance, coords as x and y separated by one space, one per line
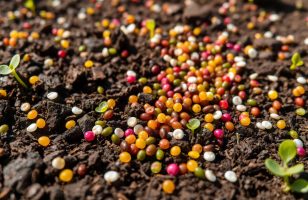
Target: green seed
226 65
115 139
156 167
150 140
300 111
156 86
142 80
160 154
82 48
112 51
141 155
251 102
293 134
107 131
100 90
101 123
4 129
241 87
199 172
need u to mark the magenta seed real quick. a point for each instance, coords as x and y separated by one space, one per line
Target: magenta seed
301 151
173 169
89 136
128 132
219 133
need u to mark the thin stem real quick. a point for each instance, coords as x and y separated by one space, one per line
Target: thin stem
18 78
286 187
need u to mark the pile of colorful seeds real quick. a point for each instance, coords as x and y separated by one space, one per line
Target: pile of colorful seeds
199 83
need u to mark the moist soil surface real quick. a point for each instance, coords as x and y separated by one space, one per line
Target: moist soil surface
25 166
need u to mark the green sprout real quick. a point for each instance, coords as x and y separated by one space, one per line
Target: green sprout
150 24
296 61
193 124
102 107
30 5
5 70
287 152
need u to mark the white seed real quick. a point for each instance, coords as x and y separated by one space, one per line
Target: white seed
111 176
178 134
252 53
268 34
48 62
272 78
97 129
210 175
236 100
241 64
32 127
260 126
131 73
306 41
192 79
58 163
119 132
52 95
105 52
241 108
138 128
209 156
230 176
274 116
132 121
25 107
274 17
267 124
253 76
301 80
217 114
66 34
298 143
76 110
82 15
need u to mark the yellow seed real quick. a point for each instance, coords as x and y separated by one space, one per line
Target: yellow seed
281 124
125 157
40 123
65 44
70 124
66 175
32 114
44 141
168 186
194 154
191 165
3 93
175 151
88 64
33 80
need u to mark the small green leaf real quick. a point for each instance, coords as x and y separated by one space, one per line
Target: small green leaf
193 124
5 70
15 61
30 5
102 107
296 61
287 151
274 167
300 186
295 169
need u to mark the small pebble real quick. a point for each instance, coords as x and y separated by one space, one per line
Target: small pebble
111 176
230 176
97 129
209 156
58 163
25 107
32 127
178 134
272 78
210 175
76 110
132 121
298 143
52 95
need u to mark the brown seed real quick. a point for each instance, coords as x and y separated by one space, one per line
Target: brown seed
108 114
183 168
82 170
151 150
124 146
163 133
208 147
208 109
145 117
133 149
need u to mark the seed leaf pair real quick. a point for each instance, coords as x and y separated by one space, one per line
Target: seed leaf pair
296 61
193 124
102 107
287 152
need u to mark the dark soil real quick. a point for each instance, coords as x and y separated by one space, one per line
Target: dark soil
25 167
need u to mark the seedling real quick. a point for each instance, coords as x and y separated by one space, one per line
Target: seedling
11 69
102 107
193 124
296 61
30 5
287 152
150 24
